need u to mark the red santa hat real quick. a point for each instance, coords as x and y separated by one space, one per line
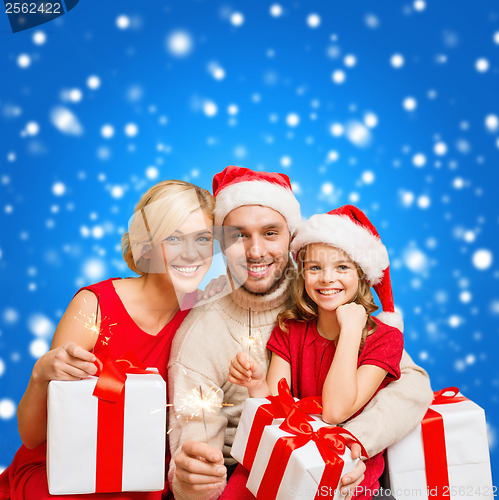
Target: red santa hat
238 186
349 229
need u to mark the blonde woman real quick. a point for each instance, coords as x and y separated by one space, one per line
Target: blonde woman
170 246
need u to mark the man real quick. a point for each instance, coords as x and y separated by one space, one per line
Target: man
259 215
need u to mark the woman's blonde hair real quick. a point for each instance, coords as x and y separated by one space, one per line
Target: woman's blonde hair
160 211
306 310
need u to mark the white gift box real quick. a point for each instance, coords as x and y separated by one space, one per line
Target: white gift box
304 470
467 453
250 407
72 435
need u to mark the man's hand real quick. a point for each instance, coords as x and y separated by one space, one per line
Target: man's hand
200 468
350 481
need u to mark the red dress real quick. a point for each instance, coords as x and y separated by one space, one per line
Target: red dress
26 477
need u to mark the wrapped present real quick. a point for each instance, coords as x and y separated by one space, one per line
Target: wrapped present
259 412
446 457
301 458
107 433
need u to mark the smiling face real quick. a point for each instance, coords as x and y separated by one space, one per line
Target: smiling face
187 252
256 242
330 276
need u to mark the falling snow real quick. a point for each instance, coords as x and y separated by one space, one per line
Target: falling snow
350 101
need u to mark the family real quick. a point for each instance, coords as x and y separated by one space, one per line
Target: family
311 322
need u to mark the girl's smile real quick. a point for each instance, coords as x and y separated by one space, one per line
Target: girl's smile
329 291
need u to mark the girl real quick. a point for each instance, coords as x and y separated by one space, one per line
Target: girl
169 245
329 343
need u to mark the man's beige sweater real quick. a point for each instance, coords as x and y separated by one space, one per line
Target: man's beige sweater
206 342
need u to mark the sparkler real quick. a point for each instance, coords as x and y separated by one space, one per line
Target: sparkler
90 322
199 403
204 416
251 339
97 310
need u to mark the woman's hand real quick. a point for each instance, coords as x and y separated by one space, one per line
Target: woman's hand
69 359
351 316
245 371
215 286
66 362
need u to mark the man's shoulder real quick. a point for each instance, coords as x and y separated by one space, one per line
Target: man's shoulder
203 330
201 314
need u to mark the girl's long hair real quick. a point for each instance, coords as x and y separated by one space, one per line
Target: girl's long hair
306 310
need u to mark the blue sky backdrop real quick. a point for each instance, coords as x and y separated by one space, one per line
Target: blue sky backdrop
388 105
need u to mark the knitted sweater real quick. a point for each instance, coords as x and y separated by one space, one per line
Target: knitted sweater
206 342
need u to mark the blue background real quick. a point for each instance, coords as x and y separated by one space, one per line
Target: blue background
260 94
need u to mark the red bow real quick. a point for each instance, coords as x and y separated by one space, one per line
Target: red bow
278 407
446 396
331 443
311 404
435 453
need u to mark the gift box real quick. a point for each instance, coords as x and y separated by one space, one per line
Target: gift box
107 433
301 458
446 457
259 412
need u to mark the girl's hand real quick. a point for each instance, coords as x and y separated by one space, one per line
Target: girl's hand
66 362
245 371
351 316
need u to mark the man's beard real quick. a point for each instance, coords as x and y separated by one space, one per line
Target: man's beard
274 286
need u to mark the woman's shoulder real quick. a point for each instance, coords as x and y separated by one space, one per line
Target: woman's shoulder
99 287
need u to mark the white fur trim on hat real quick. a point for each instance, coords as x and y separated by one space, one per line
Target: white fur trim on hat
266 194
340 231
391 319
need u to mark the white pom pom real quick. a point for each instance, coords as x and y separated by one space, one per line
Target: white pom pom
391 319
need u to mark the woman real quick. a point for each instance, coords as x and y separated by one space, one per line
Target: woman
169 244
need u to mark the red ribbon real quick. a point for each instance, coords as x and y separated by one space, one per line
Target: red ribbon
435 452
110 419
447 395
330 441
278 407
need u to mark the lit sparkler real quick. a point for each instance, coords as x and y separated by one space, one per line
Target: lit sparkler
204 416
198 403
90 322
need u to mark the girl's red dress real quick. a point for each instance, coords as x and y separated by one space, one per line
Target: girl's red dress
26 477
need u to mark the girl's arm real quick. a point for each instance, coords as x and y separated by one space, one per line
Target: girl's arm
278 369
68 359
348 388
248 373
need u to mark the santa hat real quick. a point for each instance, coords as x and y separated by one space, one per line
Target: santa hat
238 186
349 229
